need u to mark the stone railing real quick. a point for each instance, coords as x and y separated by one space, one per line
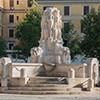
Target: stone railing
4 71
17 73
67 70
89 83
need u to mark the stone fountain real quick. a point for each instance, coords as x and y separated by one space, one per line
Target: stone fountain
52 62
54 56
51 50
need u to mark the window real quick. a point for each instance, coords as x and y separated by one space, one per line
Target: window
66 10
29 3
11 4
11 18
17 2
17 17
66 27
11 33
11 45
85 10
45 7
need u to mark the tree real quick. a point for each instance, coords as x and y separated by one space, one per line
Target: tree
2 47
71 39
28 30
90 46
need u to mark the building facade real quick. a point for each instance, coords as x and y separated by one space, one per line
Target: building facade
11 12
71 10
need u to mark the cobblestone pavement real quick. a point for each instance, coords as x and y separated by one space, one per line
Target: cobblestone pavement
48 97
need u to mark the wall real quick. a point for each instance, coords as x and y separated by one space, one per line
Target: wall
18 10
76 11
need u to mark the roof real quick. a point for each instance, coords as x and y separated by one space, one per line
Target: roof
1 9
77 1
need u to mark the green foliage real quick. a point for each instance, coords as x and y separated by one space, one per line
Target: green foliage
28 30
71 39
90 46
2 47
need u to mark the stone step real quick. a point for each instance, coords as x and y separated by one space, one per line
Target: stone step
41 92
45 89
53 78
46 85
48 80
95 90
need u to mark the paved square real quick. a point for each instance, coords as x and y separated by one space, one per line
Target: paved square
48 97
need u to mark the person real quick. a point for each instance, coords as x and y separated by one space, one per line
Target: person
66 55
47 24
33 53
25 60
44 28
57 24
